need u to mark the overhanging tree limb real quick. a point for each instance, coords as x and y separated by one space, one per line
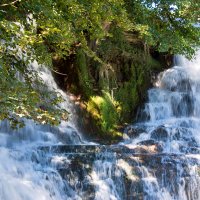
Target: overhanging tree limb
9 4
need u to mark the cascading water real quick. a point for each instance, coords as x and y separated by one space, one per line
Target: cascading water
159 158
170 130
25 174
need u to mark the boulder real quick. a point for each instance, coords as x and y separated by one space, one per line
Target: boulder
160 134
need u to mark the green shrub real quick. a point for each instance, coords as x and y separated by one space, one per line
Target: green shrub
106 111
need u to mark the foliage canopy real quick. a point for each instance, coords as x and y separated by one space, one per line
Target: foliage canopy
39 30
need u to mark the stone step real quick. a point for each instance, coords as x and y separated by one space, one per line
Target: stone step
137 151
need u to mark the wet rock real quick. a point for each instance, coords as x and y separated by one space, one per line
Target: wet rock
193 150
160 134
78 178
68 135
185 124
178 133
147 142
152 146
143 115
134 131
184 135
136 190
192 143
81 149
137 163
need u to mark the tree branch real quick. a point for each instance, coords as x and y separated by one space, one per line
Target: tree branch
59 73
9 4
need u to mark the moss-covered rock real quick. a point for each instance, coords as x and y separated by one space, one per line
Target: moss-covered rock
113 89
85 82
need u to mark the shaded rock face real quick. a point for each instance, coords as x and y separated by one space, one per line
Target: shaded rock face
133 132
72 138
127 76
66 73
160 134
119 172
78 178
142 115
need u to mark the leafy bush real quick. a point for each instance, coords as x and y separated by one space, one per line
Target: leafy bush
106 111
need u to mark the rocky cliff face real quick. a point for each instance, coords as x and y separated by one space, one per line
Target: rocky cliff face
110 86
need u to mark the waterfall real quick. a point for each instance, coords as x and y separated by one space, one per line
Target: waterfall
159 158
170 129
25 172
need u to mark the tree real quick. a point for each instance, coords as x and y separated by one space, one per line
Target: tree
34 30
39 30
168 25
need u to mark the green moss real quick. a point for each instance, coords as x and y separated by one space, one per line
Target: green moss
83 73
129 77
128 97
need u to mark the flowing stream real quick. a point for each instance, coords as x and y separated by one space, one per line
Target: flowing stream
159 158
